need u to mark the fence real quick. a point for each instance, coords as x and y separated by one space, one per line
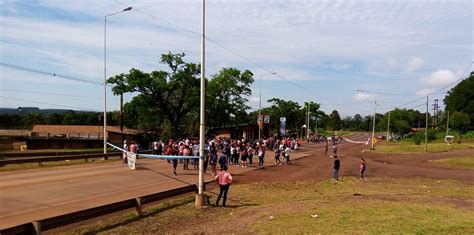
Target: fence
40 160
36 227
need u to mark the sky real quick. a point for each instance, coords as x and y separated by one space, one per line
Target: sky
345 55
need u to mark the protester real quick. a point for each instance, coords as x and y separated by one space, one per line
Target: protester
224 179
223 160
337 165
213 160
261 154
277 157
124 155
326 147
363 167
287 155
334 150
186 153
133 150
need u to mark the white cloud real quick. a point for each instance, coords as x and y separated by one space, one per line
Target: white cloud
337 66
424 92
363 96
439 78
414 64
392 63
289 37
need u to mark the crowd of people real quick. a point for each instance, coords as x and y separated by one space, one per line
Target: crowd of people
221 153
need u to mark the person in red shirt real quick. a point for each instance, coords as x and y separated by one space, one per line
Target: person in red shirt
224 179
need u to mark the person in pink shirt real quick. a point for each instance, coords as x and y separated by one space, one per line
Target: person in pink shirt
224 179
186 152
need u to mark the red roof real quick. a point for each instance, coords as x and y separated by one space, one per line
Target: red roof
63 129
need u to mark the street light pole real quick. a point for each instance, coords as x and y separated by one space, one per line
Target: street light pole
426 126
388 125
307 126
260 106
200 198
105 73
373 126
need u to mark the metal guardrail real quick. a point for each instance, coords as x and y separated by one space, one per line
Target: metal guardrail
40 160
36 227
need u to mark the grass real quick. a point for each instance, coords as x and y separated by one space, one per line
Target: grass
461 162
409 147
380 205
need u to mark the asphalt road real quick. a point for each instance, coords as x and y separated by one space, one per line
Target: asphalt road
30 195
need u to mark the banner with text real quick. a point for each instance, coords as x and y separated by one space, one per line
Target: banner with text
282 126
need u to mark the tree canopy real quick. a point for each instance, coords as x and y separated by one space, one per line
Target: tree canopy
461 98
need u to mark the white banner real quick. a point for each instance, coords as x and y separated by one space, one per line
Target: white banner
356 142
131 160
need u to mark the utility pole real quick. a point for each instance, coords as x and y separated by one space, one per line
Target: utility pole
426 128
307 126
200 198
435 112
447 125
373 126
260 117
388 125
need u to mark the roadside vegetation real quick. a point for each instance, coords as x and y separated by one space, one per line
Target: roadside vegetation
379 205
466 162
407 147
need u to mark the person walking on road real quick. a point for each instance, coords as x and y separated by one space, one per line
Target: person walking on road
124 155
224 179
362 168
326 147
335 172
133 159
287 155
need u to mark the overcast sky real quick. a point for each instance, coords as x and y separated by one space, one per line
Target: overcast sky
321 50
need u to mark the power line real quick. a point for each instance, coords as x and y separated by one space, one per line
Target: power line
54 94
23 68
462 77
223 47
59 105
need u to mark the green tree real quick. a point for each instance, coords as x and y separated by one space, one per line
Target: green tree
461 98
226 96
334 120
172 93
283 108
460 122
400 121
32 119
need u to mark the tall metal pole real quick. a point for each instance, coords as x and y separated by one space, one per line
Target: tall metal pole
121 116
388 125
307 126
105 73
260 111
373 126
105 84
200 200
260 126
426 128
447 125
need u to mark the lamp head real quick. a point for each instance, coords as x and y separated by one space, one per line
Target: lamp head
127 9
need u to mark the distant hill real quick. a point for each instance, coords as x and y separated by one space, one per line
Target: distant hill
23 111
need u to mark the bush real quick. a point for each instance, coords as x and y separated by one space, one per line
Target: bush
420 137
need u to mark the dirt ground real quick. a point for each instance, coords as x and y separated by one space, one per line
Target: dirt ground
318 167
